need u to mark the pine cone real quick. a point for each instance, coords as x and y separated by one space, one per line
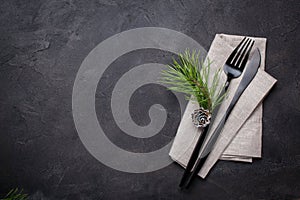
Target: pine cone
201 117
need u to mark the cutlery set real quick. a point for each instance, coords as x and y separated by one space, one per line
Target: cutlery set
233 68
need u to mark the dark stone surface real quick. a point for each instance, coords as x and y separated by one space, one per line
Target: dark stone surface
42 46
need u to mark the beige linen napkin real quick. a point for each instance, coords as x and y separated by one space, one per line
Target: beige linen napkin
241 137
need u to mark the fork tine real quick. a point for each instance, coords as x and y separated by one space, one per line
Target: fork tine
230 58
242 54
243 64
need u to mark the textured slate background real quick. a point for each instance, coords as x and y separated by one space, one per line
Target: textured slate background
42 46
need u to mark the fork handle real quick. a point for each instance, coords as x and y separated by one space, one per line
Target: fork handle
227 83
193 157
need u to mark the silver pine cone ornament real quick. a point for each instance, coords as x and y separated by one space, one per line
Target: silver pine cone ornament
201 117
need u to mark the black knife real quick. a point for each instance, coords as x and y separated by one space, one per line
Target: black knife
251 70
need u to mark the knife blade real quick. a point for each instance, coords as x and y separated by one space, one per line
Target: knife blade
251 70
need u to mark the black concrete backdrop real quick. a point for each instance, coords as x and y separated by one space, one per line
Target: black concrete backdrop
42 44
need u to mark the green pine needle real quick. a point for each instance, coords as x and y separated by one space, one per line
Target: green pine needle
191 76
15 194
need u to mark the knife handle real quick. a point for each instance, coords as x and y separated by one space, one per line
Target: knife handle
214 136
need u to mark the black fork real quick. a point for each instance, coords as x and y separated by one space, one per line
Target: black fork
237 60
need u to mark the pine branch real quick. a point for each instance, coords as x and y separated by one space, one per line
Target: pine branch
15 194
191 77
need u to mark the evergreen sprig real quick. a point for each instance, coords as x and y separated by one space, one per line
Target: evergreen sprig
191 76
15 194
